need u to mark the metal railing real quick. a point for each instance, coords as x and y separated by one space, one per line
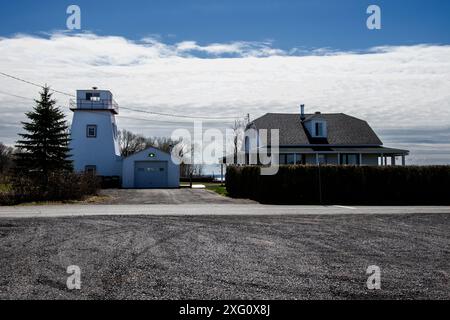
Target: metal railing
94 104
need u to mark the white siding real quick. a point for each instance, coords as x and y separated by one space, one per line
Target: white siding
129 163
102 151
104 94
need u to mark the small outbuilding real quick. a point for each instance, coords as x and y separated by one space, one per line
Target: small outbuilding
95 146
151 168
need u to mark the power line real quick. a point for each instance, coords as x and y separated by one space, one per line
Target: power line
119 116
34 84
179 115
126 108
16 96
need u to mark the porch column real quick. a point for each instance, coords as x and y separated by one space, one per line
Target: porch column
360 159
403 160
382 160
393 160
317 158
339 159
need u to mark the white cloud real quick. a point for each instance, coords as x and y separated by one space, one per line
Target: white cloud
403 87
241 49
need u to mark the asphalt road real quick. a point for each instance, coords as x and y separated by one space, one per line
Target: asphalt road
204 209
226 257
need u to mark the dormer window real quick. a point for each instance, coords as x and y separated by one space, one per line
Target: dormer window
319 129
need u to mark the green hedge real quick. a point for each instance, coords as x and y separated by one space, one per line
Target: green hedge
61 186
426 185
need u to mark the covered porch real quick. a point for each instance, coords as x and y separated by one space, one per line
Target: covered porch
373 156
362 156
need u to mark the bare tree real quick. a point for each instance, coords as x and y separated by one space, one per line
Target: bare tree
162 143
131 143
197 169
188 168
6 158
238 137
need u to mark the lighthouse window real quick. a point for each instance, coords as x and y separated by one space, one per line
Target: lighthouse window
91 131
93 96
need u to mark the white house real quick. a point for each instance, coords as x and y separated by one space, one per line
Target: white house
322 138
95 147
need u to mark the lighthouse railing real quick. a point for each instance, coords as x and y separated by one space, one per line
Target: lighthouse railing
94 104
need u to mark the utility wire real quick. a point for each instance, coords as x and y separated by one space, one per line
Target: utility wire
178 115
174 122
126 108
16 96
119 116
34 84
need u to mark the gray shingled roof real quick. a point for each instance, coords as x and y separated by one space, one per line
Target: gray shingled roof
342 129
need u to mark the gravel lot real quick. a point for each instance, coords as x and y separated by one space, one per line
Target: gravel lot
226 257
167 196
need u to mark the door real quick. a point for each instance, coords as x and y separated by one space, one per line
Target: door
150 174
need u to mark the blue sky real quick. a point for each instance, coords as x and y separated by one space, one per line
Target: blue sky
146 53
306 24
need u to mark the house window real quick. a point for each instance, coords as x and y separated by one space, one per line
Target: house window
322 158
290 159
90 169
350 159
91 131
318 130
300 159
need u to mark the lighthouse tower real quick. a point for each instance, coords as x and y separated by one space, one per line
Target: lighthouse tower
94 145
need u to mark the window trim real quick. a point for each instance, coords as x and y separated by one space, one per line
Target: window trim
289 155
300 158
319 129
322 159
344 159
93 96
91 126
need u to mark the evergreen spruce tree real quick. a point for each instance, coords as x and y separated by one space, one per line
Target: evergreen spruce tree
44 147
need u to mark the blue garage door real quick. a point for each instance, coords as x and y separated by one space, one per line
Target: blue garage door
150 174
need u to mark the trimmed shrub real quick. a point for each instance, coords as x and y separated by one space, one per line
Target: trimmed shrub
198 179
426 185
60 186
110 182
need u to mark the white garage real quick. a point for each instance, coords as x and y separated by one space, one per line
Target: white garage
151 168
95 146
